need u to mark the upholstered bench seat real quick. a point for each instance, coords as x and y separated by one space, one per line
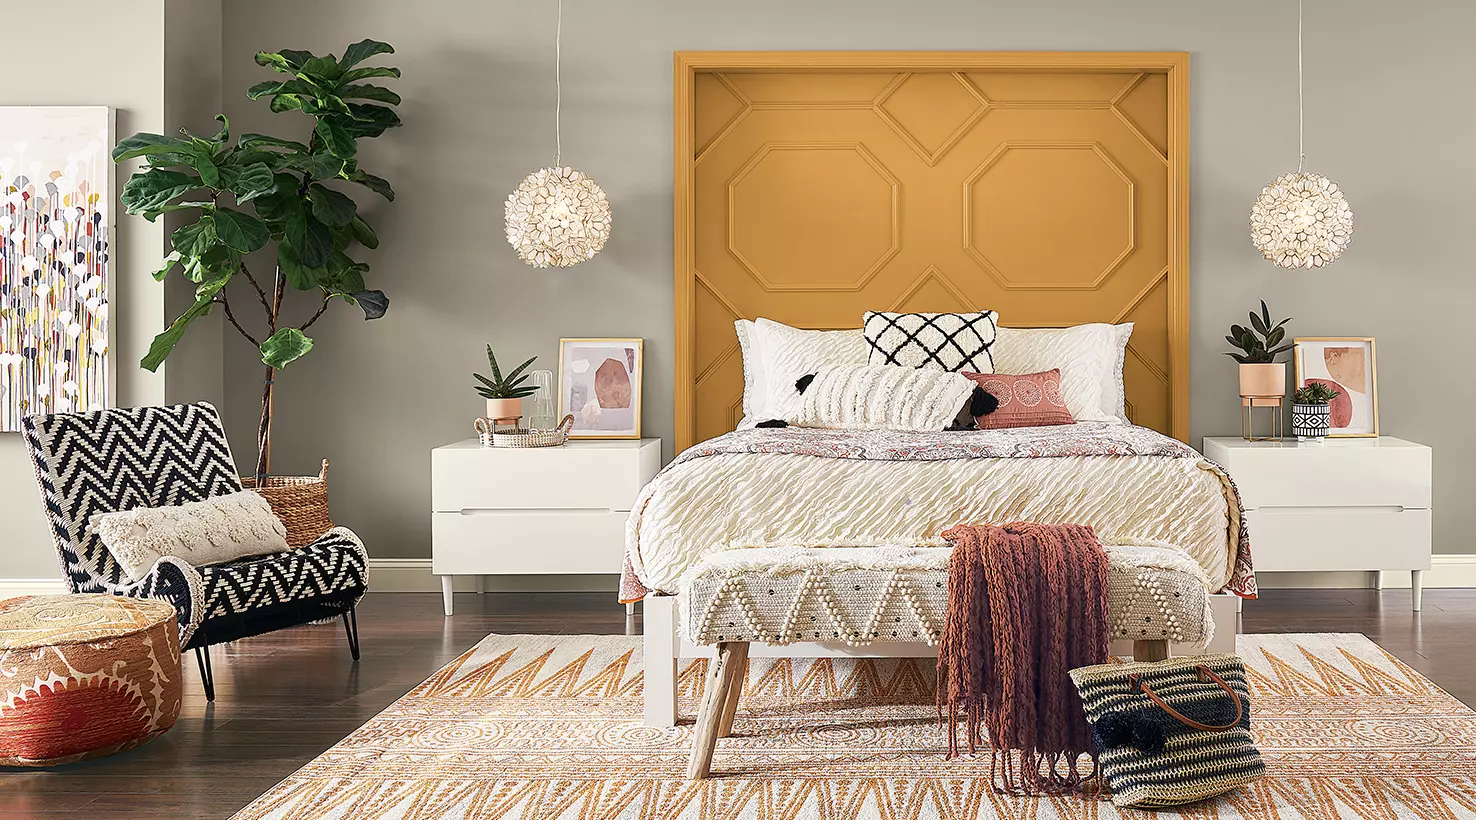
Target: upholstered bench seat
860 596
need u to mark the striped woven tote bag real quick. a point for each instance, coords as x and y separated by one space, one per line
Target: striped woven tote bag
1170 732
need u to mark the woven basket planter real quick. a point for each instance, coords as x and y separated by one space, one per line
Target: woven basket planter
300 501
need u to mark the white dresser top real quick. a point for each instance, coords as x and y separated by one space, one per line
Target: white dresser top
1384 442
575 444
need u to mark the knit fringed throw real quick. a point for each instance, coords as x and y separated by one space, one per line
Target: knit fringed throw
1026 603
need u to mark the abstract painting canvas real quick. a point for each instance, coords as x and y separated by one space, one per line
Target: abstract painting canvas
600 384
1347 365
56 203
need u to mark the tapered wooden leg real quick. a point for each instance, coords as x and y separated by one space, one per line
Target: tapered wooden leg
735 689
710 713
1150 650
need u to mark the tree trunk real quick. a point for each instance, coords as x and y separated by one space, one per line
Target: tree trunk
264 430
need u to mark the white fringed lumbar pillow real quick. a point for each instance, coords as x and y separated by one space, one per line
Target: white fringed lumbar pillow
882 397
218 529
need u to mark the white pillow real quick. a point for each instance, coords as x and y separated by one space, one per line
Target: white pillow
775 355
882 397
1090 358
218 529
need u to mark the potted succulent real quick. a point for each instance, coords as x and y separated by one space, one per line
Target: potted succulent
1256 348
504 394
1312 411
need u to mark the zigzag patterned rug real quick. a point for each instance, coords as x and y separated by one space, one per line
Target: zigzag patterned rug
549 727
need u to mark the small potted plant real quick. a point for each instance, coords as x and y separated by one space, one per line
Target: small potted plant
1312 412
1257 347
504 394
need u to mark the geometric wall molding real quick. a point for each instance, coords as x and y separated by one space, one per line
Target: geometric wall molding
1078 239
836 230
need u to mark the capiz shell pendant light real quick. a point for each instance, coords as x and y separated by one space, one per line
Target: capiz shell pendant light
558 216
1301 220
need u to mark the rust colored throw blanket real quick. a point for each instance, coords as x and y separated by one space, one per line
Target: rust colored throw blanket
1026 603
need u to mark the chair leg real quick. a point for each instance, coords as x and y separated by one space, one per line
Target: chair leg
351 630
710 714
735 689
202 657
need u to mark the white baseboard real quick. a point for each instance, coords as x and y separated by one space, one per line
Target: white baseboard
414 575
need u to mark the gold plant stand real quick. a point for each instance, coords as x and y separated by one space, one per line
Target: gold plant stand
1248 407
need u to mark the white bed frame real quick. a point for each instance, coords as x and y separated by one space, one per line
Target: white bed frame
664 647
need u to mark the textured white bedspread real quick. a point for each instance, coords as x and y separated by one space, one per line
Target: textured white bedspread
799 487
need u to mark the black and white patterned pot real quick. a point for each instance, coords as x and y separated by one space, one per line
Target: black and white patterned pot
1311 421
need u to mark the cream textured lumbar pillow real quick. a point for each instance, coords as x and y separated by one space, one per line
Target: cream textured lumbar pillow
223 528
882 397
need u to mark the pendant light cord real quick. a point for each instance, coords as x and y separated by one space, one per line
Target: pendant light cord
1301 151
559 84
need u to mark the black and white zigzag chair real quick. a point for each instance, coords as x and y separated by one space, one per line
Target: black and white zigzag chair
113 460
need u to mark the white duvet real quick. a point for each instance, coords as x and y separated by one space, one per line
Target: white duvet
899 493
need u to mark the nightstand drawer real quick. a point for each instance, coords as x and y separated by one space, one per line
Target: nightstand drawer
578 475
534 542
1329 475
1287 539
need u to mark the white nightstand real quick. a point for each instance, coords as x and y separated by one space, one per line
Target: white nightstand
534 511
1342 504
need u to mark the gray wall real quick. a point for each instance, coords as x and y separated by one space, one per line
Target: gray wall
1388 117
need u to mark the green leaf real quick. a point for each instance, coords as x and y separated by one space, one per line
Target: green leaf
209 174
215 283
311 240
298 275
225 130
331 207
363 50
377 93
324 165
1275 338
285 102
492 360
324 106
1265 314
512 378
362 232
144 144
367 73
155 213
154 187
261 89
285 347
169 262
195 238
241 232
266 141
249 182
165 342
288 60
336 138
371 120
376 184
326 67
373 302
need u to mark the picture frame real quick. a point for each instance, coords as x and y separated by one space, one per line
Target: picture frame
1349 365
600 385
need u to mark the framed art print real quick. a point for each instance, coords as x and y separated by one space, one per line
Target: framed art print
1347 365
56 233
600 385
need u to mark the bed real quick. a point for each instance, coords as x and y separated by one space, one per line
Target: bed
811 187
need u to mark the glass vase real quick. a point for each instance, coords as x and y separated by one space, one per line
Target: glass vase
542 406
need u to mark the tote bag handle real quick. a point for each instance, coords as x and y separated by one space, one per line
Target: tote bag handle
1206 675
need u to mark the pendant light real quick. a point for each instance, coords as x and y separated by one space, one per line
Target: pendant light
558 216
1301 220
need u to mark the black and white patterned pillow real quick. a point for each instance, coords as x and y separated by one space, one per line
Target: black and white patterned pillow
940 341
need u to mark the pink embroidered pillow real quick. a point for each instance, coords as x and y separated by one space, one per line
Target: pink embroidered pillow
1031 400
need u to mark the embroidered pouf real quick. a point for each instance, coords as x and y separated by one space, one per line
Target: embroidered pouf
84 676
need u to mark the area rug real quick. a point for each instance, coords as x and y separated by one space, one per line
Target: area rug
549 727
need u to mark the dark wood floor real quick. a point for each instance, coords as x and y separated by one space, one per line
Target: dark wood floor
285 698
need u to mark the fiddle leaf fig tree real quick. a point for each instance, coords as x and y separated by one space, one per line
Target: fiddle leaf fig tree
259 191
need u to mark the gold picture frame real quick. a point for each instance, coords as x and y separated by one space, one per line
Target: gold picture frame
1370 379
582 381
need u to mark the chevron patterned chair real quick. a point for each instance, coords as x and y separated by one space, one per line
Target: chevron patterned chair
114 460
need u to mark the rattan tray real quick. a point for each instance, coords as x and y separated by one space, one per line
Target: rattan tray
491 436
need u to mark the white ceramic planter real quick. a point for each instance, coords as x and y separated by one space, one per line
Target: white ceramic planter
1263 380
